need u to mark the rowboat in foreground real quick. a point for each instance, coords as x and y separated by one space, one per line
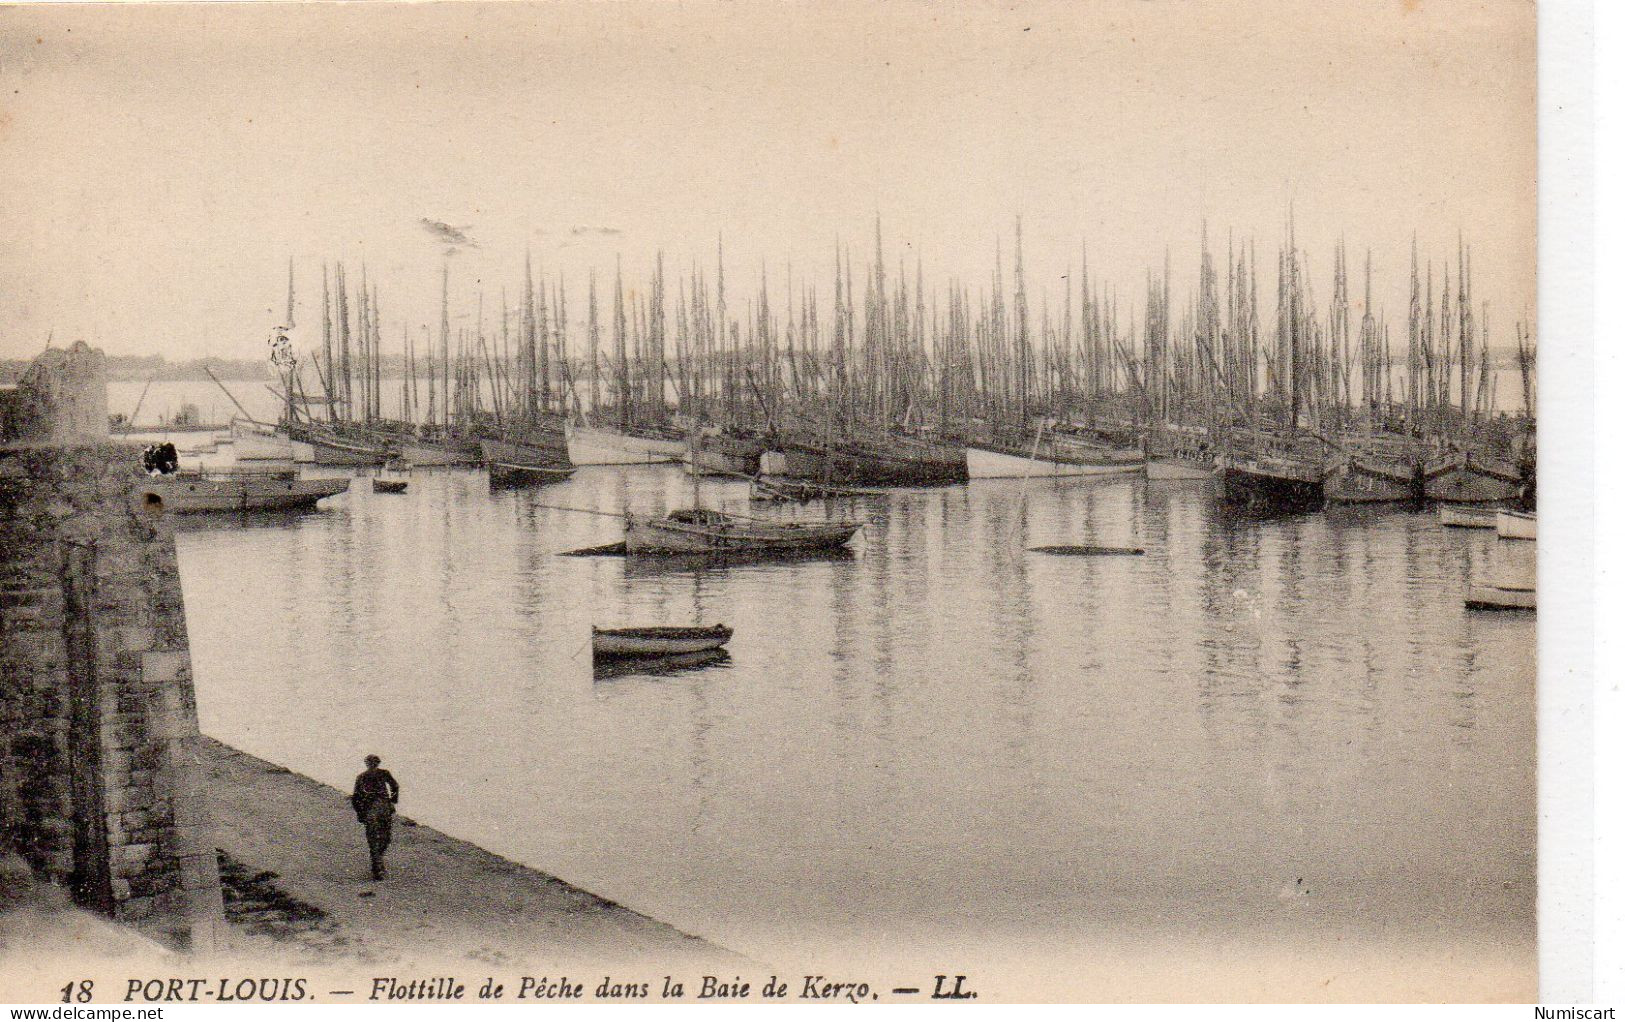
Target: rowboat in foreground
1514 525
1467 516
609 643
1490 597
704 531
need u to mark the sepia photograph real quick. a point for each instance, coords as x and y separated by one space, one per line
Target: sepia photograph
695 502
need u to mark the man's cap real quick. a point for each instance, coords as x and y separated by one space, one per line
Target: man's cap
373 761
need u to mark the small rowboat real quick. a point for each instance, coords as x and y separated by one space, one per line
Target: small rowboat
389 486
609 643
525 475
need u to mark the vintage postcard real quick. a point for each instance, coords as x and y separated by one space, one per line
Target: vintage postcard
776 503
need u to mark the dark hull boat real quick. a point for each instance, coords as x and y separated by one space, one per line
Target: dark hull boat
1272 484
331 447
610 643
1360 479
902 461
725 455
517 464
1469 479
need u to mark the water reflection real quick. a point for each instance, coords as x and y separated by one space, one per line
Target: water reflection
936 736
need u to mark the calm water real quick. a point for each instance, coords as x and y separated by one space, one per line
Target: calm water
942 746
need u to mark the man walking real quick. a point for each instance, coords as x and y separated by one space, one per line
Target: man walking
374 802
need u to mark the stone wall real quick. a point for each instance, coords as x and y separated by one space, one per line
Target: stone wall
100 782
61 399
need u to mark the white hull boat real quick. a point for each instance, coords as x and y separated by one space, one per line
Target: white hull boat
590 445
986 463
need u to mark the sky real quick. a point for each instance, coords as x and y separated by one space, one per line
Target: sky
162 165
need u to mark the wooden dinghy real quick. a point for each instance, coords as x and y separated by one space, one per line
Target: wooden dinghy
389 486
703 531
616 643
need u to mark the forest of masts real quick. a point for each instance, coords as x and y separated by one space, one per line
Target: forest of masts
888 354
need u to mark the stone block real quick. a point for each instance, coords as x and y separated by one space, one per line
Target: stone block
135 909
165 666
134 853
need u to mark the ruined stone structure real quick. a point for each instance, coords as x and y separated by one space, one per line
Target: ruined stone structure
99 777
62 399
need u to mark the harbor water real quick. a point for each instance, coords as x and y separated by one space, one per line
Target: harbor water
1263 737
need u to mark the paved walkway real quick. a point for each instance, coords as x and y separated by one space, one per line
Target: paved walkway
445 902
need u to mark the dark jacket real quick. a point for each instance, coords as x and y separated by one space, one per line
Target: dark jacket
373 786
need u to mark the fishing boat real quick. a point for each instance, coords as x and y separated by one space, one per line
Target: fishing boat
187 491
1514 525
330 447
795 491
1494 597
438 450
1053 456
520 464
1169 467
1272 483
1466 516
512 464
592 445
704 531
899 461
724 454
1366 479
611 643
1469 478
258 441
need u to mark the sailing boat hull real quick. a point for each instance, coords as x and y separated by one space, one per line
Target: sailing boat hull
515 464
433 454
846 467
1262 488
1175 468
990 463
1467 480
591 446
1361 482
722 455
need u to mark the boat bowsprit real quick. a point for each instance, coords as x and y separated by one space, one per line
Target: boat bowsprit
612 643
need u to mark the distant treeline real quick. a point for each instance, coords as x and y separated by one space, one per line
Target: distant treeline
151 367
